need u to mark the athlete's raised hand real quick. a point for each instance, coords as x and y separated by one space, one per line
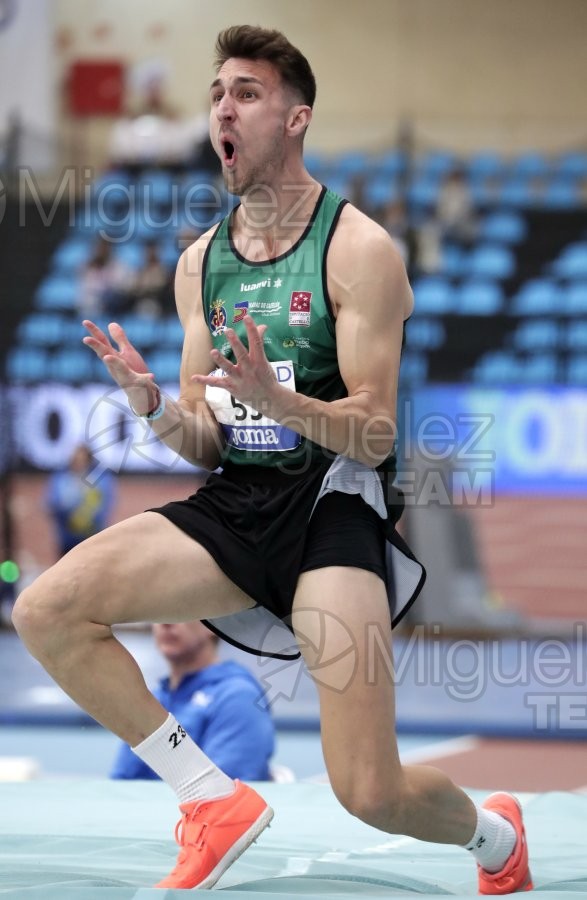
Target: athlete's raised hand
125 364
250 379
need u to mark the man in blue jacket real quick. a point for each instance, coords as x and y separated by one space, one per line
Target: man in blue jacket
220 705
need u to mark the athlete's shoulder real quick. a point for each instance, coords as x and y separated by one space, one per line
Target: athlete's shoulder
359 238
191 260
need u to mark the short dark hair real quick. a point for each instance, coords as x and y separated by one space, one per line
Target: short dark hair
253 42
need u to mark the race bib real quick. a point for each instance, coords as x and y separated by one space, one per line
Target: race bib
246 429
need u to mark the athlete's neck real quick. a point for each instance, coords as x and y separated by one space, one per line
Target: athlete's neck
274 217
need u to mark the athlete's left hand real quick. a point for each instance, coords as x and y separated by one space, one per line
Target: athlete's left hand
251 379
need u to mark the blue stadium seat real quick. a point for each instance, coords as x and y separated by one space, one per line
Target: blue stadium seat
577 369
57 292
486 164
423 192
155 186
530 165
485 192
316 163
479 298
414 368
536 334
201 204
390 164
574 299
143 331
165 365
341 185
503 226
348 165
43 329
112 196
561 194
576 335
25 365
380 191
169 253
131 253
490 261
171 333
71 255
437 164
540 368
572 164
72 365
433 296
518 192
572 263
539 296
424 334
453 261
497 367
194 180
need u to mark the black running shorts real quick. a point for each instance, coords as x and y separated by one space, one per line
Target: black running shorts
258 526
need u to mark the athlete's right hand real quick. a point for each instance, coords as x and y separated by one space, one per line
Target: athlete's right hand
125 364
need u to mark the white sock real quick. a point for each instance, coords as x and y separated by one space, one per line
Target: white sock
172 754
493 841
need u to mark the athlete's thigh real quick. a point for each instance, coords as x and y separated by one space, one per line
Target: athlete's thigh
143 569
342 624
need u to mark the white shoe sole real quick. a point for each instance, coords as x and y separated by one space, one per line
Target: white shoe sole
238 848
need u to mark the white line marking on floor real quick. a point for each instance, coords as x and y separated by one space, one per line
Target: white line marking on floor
449 747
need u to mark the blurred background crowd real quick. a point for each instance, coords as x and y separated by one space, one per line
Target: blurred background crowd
459 125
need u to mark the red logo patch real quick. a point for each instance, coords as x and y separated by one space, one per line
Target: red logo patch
299 308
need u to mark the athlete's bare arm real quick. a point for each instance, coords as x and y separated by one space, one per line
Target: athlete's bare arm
369 289
187 425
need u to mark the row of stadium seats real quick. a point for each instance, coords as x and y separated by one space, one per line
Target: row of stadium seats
437 295
438 163
477 281
42 329
28 365
502 228
502 367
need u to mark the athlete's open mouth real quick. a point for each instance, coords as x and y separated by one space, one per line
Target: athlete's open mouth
229 152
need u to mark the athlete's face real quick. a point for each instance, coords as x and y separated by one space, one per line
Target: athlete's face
249 111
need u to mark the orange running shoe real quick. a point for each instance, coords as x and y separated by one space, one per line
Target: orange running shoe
515 875
212 834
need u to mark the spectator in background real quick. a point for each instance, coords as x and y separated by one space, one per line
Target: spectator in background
452 221
394 218
105 282
220 705
455 212
152 284
78 504
153 132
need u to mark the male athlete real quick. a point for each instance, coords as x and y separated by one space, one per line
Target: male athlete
293 310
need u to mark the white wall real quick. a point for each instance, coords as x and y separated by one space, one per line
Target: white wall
505 73
27 86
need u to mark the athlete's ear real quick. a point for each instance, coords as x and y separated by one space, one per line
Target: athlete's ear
298 119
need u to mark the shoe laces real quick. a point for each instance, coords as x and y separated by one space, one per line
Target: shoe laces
181 832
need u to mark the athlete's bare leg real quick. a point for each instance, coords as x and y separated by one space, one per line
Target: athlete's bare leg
337 613
144 569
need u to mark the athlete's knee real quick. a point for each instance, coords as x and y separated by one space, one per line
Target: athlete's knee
47 611
373 799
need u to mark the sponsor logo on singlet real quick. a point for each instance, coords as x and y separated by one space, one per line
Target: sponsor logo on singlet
240 311
266 283
217 319
299 308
